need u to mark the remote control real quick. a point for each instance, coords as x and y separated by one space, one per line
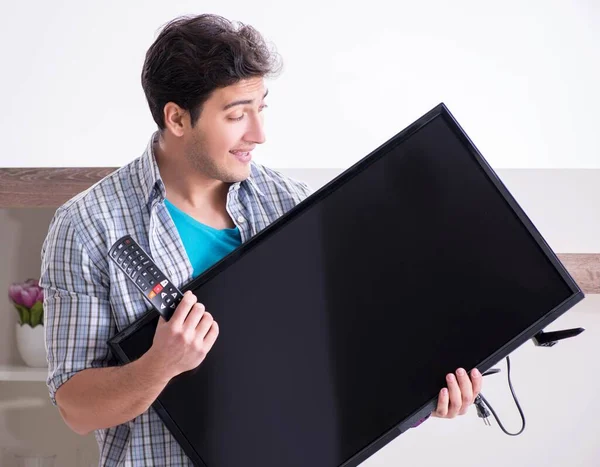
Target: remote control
143 272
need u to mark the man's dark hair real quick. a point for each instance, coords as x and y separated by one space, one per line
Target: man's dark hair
193 56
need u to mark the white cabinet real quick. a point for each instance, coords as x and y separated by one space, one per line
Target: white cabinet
29 423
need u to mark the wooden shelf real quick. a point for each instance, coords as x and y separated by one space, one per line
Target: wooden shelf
46 186
22 373
585 269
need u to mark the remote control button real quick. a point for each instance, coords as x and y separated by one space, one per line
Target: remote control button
144 273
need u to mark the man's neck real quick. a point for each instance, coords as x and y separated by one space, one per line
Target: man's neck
184 181
199 196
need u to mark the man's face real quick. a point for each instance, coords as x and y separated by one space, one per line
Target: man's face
229 127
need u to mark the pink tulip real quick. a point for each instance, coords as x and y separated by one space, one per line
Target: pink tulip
28 297
14 293
26 294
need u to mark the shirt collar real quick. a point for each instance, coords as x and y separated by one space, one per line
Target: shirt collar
249 182
153 186
150 180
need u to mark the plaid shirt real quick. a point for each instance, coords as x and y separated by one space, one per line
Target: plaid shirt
88 299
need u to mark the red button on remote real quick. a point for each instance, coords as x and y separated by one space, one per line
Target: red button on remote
157 288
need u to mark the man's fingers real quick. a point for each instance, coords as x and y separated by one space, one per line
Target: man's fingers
194 316
460 394
204 325
211 336
466 390
183 309
442 405
455 396
477 381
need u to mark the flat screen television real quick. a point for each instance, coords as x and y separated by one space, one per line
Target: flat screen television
340 320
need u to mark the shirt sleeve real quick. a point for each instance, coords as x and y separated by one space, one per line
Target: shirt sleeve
77 313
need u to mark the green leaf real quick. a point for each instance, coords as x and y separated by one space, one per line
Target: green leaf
36 313
23 314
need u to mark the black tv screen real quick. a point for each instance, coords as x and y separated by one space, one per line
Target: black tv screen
341 319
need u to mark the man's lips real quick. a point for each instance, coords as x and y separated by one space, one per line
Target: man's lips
242 156
241 152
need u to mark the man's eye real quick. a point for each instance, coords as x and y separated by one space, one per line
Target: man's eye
237 119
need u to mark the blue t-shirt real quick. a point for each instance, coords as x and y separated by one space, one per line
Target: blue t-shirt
203 244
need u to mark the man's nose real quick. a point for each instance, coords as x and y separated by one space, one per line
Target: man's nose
256 132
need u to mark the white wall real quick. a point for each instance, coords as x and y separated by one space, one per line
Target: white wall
521 77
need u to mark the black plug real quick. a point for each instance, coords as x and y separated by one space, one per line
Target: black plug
482 410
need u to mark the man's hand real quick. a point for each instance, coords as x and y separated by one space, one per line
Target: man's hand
458 396
183 342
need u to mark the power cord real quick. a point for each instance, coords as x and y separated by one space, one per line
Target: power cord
483 405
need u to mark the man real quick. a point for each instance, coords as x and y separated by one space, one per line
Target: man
191 198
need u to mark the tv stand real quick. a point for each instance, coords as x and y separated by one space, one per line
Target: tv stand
548 339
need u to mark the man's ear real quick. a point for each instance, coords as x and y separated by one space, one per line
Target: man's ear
176 119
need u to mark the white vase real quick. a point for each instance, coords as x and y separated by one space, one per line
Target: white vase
31 345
